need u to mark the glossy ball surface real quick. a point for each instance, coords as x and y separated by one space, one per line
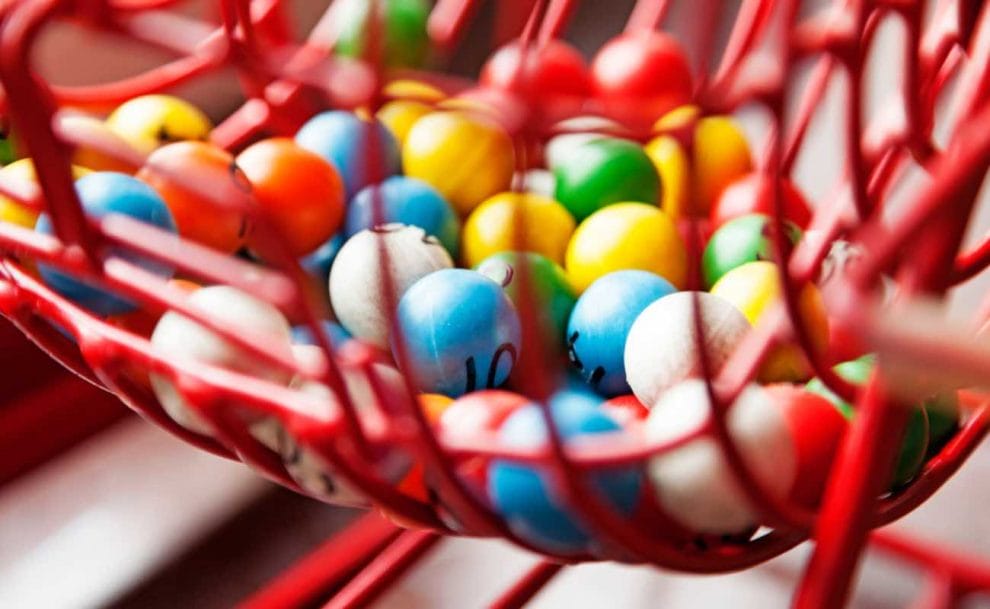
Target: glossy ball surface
522 493
400 115
356 287
517 221
300 193
753 194
694 482
102 193
460 332
553 76
626 236
662 347
212 210
744 239
150 121
552 294
404 41
638 76
570 133
362 151
817 428
22 171
405 201
754 288
692 182
181 338
916 436
465 157
600 323
602 171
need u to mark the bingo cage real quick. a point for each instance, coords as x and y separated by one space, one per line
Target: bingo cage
684 473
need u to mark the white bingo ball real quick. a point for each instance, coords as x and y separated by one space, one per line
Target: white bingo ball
356 290
311 472
693 482
662 348
181 338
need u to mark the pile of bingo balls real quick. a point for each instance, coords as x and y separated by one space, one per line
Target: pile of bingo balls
409 220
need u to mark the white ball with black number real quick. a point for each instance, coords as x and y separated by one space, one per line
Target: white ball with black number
662 346
183 339
310 471
356 286
693 482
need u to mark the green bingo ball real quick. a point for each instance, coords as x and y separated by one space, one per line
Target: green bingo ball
8 147
603 171
405 41
943 418
553 294
741 240
916 436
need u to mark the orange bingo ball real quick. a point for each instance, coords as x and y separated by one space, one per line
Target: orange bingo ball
302 193
210 200
434 405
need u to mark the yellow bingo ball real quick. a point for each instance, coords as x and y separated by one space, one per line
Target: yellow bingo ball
545 225
465 157
753 288
399 115
404 88
720 155
89 126
150 121
22 170
626 236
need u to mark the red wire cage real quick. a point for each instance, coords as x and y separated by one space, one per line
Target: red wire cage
946 50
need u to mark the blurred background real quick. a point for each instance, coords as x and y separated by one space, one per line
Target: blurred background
100 509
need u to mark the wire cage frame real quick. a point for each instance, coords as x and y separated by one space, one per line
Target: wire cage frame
285 82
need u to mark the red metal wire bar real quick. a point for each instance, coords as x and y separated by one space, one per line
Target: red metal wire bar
528 586
390 565
327 567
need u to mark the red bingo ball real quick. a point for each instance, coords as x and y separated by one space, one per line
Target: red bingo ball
301 192
625 409
753 194
554 76
639 76
817 428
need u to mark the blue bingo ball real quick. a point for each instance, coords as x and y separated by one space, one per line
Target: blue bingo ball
302 335
102 193
600 322
522 493
460 330
318 263
344 139
406 201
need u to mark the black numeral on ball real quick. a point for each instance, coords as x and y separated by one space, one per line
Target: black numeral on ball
472 369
